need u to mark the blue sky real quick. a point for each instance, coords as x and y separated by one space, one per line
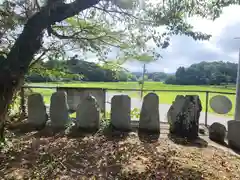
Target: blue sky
183 51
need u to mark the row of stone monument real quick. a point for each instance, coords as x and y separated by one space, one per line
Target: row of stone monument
183 116
88 112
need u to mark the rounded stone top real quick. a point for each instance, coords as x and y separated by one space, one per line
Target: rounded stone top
221 104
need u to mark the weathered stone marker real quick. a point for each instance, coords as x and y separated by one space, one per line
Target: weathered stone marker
75 96
233 134
121 112
217 132
59 114
88 114
149 115
183 116
37 115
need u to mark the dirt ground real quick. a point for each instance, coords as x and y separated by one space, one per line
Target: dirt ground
57 155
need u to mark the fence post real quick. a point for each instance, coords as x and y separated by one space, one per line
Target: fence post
206 108
23 108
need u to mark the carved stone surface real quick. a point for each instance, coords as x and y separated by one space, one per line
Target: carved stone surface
37 115
88 114
183 116
121 112
149 116
59 114
233 134
76 95
221 104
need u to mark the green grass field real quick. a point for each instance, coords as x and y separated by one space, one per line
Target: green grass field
165 97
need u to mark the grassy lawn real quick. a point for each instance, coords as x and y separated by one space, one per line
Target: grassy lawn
165 97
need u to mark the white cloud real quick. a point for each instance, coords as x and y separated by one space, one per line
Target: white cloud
184 51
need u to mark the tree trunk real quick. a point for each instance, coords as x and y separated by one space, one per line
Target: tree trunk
17 63
6 94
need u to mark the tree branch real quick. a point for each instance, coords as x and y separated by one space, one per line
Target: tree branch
75 37
115 11
61 36
38 59
124 13
63 11
30 40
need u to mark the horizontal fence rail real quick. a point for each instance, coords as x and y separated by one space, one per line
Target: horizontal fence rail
144 90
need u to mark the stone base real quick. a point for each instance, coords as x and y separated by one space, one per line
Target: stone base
149 131
179 129
233 134
122 129
88 129
37 127
60 126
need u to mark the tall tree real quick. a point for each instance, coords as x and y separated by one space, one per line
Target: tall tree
205 73
136 27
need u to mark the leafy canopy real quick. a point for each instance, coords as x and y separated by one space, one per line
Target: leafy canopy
117 25
205 73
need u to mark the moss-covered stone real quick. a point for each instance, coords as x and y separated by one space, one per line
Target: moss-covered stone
183 116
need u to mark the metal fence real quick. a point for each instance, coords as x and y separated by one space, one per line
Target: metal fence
206 94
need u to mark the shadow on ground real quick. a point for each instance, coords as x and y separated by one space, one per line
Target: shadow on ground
199 142
149 137
50 155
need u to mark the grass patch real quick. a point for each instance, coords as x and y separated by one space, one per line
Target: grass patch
108 85
45 92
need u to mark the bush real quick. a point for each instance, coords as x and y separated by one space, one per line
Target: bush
34 77
15 107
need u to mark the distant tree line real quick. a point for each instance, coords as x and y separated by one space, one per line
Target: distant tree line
74 69
205 73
